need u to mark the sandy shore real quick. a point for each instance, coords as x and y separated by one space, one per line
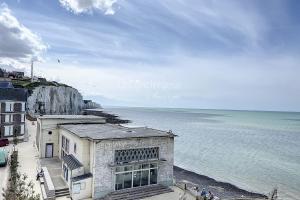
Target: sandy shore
220 189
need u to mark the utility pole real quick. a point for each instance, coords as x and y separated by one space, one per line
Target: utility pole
32 70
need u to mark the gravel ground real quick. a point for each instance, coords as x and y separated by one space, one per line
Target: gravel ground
220 189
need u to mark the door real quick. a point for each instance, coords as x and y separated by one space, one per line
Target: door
49 150
66 173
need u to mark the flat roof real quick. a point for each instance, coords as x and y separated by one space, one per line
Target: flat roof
112 131
70 117
13 94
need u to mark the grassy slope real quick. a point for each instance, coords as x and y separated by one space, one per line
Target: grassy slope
27 84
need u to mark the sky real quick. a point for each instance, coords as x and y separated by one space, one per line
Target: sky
213 54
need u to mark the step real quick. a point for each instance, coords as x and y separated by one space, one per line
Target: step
141 195
62 195
139 192
63 189
62 192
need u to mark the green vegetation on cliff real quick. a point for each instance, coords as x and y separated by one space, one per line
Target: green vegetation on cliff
27 84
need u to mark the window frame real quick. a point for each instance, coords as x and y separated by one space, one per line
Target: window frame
134 171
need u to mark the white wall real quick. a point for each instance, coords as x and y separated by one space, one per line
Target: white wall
83 148
50 124
104 156
85 189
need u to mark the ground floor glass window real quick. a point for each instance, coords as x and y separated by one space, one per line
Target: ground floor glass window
135 175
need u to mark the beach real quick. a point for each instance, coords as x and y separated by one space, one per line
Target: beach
220 189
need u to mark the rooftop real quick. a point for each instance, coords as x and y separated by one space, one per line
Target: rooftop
112 131
71 162
6 84
13 94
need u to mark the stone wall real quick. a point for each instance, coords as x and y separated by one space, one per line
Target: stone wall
54 100
104 175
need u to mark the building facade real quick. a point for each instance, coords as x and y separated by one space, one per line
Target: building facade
12 111
99 158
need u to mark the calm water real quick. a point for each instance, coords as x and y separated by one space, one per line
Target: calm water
253 150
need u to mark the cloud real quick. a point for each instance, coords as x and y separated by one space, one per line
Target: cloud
87 6
18 44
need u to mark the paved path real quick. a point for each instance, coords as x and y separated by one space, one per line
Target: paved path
28 157
4 175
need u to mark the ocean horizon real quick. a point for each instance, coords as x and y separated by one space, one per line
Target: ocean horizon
254 150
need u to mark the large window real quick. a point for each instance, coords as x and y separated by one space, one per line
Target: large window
135 175
9 107
64 146
8 130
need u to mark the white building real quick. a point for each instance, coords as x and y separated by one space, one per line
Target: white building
12 111
99 159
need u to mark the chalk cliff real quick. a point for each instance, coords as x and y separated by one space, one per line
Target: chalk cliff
53 100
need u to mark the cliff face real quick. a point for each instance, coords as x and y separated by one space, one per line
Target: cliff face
51 100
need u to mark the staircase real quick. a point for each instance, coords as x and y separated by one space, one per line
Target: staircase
62 192
138 193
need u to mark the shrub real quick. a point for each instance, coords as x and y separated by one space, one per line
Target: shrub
19 188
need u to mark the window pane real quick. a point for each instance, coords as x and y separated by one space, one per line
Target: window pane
153 176
145 177
127 179
128 168
119 182
137 167
137 175
153 165
119 169
145 166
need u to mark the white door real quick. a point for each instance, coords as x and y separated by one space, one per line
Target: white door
49 150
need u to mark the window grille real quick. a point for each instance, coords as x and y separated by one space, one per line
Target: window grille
129 155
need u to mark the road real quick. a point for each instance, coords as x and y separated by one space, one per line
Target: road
3 175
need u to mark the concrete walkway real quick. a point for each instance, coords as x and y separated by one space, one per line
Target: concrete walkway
54 167
28 157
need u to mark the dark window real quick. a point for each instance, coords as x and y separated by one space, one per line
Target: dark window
2 107
17 130
50 132
153 176
17 118
17 107
75 148
2 118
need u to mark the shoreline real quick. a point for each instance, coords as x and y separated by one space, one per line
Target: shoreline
219 188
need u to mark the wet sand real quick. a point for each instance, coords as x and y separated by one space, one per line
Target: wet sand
220 189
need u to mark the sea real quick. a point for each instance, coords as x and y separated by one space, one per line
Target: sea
254 150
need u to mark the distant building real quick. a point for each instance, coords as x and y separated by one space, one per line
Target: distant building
2 73
16 74
97 159
12 110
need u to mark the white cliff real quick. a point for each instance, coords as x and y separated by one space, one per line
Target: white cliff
54 100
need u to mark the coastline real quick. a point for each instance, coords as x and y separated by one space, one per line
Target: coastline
221 189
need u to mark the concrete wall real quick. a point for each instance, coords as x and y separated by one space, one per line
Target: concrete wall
49 124
85 189
82 145
45 126
104 155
